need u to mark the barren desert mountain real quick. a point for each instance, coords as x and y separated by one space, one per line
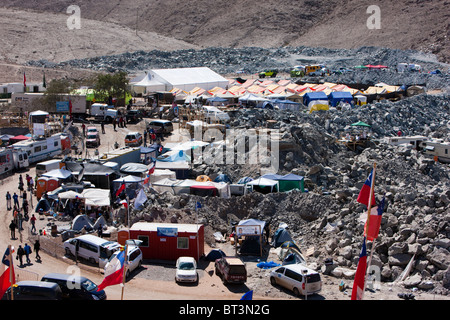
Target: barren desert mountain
170 24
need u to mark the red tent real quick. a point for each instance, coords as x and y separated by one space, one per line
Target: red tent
378 66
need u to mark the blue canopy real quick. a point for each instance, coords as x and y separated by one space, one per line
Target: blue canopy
338 96
312 96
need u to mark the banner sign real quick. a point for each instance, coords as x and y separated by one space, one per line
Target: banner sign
167 232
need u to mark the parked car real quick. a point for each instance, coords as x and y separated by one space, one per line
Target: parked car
161 126
134 259
92 139
92 248
268 73
186 270
133 139
297 278
34 290
91 130
134 116
75 287
231 270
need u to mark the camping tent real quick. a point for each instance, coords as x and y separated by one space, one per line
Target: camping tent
215 254
287 182
253 230
137 169
222 178
264 185
338 96
314 96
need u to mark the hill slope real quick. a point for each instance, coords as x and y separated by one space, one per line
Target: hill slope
413 24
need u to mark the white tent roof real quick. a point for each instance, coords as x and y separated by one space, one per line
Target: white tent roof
263 182
96 197
189 78
58 173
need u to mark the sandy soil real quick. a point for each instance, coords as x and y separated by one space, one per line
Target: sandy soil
156 281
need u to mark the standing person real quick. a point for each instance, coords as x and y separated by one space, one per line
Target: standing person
20 184
8 200
145 138
20 253
37 247
103 127
12 228
84 129
16 201
27 250
33 223
114 124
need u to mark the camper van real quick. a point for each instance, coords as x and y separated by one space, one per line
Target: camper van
314 70
46 166
11 160
41 149
438 149
414 141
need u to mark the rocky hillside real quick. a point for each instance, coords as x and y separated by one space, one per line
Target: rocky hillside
413 24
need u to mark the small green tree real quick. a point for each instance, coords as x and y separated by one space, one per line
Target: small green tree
111 85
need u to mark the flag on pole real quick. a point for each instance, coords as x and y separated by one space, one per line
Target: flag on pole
365 192
114 271
24 82
140 199
125 203
374 222
7 277
150 171
358 283
122 188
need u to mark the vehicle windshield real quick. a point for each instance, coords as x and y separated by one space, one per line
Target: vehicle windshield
88 285
91 136
186 266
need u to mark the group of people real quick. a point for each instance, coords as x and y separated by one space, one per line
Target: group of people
20 214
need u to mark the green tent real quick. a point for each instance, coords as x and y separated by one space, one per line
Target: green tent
360 124
288 182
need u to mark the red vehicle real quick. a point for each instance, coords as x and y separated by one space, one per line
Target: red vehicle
231 270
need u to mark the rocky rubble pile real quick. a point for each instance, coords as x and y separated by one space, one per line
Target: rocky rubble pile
251 60
416 220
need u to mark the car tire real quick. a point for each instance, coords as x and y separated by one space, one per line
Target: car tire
273 281
92 260
68 252
296 292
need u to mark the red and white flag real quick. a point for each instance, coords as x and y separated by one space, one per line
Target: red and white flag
374 222
122 188
358 283
150 171
367 191
7 276
114 271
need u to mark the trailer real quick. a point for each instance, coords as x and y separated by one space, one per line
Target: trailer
438 149
122 156
44 148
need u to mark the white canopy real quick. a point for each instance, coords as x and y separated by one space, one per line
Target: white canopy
70 195
96 197
58 173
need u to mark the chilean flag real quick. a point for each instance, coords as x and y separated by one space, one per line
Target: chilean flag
374 221
119 191
114 271
364 194
358 283
7 277
150 171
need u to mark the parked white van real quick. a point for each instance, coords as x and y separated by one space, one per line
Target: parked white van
92 248
49 165
297 278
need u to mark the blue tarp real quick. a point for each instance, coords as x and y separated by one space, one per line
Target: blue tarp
267 265
312 96
338 96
